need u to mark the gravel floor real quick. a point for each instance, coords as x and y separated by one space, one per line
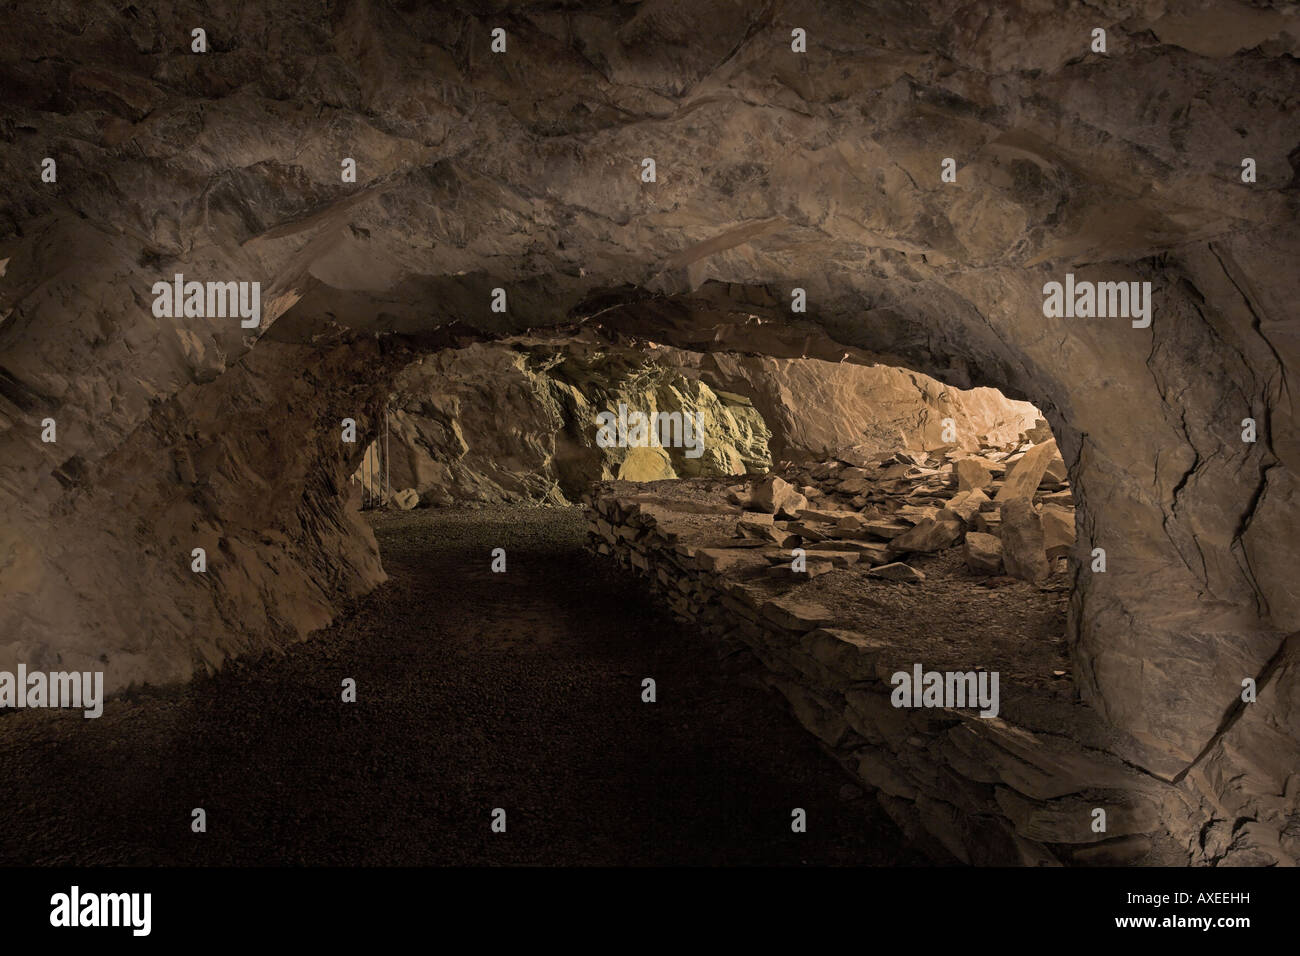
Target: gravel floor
476 690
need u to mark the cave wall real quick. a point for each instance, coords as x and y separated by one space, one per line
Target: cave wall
251 469
517 420
775 170
818 408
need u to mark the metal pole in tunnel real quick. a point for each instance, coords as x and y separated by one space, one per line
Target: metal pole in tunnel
385 454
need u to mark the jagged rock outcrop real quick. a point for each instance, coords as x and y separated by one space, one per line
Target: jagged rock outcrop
517 420
251 470
817 408
776 170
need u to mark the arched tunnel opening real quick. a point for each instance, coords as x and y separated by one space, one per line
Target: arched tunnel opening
505 524
684 446
901 564
883 486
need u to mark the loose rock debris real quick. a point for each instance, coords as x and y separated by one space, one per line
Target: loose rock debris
834 576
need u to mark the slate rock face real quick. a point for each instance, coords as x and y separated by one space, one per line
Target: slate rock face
776 170
517 421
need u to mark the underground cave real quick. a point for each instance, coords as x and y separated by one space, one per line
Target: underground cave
972 538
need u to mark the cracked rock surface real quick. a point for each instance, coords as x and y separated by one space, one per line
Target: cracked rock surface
775 171
516 420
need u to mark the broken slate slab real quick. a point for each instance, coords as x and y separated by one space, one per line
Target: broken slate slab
930 535
983 553
777 496
1022 480
795 615
1023 549
898 571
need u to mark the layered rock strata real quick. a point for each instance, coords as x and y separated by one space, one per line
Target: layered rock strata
516 420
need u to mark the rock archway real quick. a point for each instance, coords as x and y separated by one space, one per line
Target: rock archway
775 171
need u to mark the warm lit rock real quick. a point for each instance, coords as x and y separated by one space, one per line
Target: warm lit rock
983 553
1058 530
897 571
972 473
1023 477
930 534
776 496
1023 550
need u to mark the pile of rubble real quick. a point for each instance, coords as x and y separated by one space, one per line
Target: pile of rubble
804 577
1010 507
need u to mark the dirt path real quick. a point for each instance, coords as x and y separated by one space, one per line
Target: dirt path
476 690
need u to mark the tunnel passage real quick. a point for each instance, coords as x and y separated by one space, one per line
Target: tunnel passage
474 690
546 636
820 175
276 582
909 526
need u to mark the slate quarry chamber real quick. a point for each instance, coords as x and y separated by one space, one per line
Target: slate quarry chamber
780 176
